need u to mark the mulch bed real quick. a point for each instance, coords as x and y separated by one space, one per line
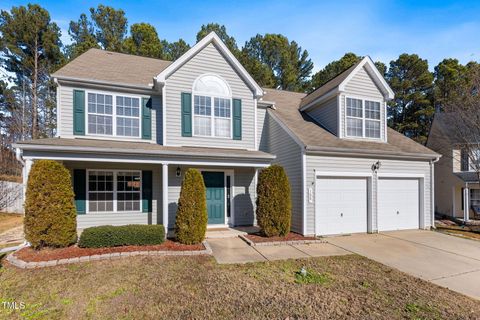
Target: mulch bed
30 255
258 238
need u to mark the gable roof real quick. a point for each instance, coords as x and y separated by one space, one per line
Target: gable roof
211 38
315 138
96 65
338 83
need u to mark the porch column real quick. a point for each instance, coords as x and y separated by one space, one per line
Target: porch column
25 173
466 204
165 197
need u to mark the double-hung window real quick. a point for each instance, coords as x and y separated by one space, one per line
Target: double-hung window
363 118
113 115
212 107
114 191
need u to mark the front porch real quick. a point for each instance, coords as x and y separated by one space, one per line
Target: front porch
131 186
466 201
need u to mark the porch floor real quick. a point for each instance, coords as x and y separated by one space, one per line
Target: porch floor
222 233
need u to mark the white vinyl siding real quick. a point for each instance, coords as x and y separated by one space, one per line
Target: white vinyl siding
363 165
65 121
127 217
289 156
208 60
326 114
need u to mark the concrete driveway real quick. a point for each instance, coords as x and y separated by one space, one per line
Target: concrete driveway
445 260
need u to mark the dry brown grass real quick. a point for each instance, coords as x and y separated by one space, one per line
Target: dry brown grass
199 288
9 221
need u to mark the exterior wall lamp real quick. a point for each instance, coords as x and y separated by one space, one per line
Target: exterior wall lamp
376 166
178 172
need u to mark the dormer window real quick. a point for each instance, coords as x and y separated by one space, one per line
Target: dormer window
363 118
212 107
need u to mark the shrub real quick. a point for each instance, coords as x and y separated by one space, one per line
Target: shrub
274 207
191 219
50 214
116 236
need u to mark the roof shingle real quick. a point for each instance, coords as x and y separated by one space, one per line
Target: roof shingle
314 136
113 67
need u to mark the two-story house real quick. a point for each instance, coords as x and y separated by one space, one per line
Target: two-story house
457 187
129 127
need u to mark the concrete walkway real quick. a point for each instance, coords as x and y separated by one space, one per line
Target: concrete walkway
235 250
445 260
13 235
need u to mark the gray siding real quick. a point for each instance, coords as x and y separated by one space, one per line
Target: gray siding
362 86
289 156
65 121
262 129
209 60
243 194
363 165
96 219
244 197
326 114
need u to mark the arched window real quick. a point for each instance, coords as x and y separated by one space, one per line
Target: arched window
212 104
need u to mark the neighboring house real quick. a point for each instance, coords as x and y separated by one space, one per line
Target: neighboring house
129 127
456 181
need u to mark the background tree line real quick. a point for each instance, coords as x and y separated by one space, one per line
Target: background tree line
31 49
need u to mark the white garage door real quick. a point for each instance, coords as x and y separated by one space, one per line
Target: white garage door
341 205
398 204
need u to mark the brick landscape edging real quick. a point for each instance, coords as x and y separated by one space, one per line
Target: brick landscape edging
279 243
19 263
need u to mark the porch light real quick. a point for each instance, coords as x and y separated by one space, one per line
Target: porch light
178 172
376 166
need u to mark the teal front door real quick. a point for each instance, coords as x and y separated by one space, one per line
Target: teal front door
215 184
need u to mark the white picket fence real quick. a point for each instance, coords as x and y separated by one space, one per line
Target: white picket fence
11 197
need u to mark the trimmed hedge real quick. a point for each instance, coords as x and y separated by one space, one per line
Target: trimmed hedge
192 218
274 206
116 236
50 213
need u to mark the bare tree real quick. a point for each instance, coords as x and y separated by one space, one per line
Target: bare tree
463 119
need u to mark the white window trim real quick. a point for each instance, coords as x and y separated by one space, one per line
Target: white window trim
114 114
115 211
212 108
471 194
382 118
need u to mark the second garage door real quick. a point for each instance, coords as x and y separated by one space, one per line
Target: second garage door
398 204
341 205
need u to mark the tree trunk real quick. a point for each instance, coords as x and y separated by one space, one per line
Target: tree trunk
34 93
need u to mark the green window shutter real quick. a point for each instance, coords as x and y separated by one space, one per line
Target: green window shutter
237 119
186 114
79 112
80 190
147 118
146 191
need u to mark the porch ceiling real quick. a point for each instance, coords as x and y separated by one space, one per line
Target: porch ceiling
146 152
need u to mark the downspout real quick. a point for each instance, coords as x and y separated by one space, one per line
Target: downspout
18 155
432 192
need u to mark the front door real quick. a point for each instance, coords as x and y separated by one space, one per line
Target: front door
215 184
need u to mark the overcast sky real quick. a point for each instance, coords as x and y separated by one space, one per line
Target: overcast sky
381 29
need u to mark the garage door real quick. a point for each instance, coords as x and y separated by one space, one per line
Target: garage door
341 205
398 204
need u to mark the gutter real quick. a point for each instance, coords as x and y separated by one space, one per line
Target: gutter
362 152
225 155
98 82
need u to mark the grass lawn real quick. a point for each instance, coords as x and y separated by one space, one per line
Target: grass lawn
9 221
345 287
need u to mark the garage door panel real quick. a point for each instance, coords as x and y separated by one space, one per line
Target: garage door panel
398 204
341 205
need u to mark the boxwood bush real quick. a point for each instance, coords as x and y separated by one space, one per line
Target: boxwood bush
115 236
50 214
274 206
191 219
